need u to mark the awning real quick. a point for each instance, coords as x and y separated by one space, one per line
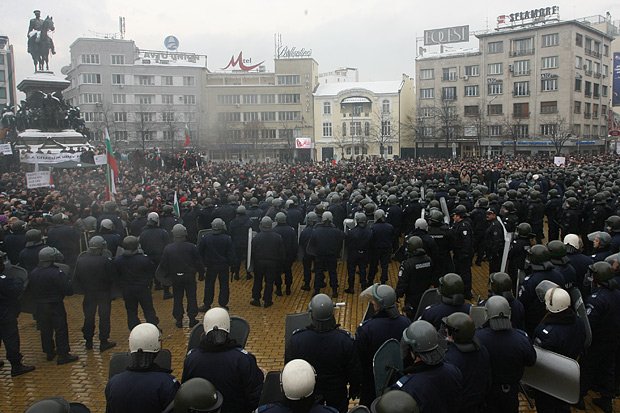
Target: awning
356 99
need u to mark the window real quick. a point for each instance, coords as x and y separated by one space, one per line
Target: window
604 111
521 68
167 117
427 131
521 110
147 135
495 69
595 110
427 93
327 129
286 133
496 88
586 131
90 59
118 79
472 110
587 110
604 90
578 40
264 99
167 81
427 112
449 73
605 71
250 116
344 129
289 79
549 107
327 109
356 128
168 135
228 99
120 135
229 117
268 133
145 99
288 98
268 116
578 62
495 130
550 62
119 98
385 106
597 69
118 59
145 80
1 59
548 85
522 47
427 74
472 90
120 116
521 89
146 116
250 99
448 93
549 40
577 108
289 115
588 89
496 47
390 150
189 99
577 129
521 131
91 78
93 116
366 128
548 129
588 67
495 109
386 128
87 97
167 99
189 80
348 150
473 70
577 85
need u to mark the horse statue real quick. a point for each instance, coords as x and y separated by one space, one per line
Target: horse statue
40 44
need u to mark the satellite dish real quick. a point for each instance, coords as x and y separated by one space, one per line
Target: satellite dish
65 70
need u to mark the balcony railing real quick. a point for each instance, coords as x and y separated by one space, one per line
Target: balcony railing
587 115
521 115
592 53
597 75
522 52
548 111
520 93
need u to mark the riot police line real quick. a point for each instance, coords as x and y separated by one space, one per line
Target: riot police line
448 245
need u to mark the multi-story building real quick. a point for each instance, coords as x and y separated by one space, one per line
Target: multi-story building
361 118
259 115
343 74
8 94
144 98
530 89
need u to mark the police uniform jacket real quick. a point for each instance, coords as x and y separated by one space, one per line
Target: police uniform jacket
289 237
268 249
294 217
435 313
134 270
382 236
29 257
603 309
136 226
580 263
394 216
358 240
149 391
563 333
94 273
304 238
14 242
281 407
181 257
216 249
462 234
415 276
67 240
49 284
255 214
10 290
153 240
534 309
474 363
326 240
239 231
494 240
571 221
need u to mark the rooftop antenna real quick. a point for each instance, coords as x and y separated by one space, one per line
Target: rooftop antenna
121 26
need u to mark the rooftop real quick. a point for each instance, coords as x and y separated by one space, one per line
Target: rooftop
334 89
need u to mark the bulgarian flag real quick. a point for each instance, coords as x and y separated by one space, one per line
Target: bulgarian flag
187 137
112 170
175 206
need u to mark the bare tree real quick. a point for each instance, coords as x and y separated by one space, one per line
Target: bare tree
448 121
480 125
143 123
512 129
172 122
559 132
340 141
385 130
252 133
105 119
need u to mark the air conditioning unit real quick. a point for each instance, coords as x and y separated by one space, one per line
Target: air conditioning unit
510 68
585 67
465 77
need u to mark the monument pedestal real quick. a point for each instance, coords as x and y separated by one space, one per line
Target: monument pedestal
46 82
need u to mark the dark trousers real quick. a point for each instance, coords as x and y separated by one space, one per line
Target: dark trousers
184 285
495 264
9 335
219 272
93 301
266 274
288 275
52 319
240 255
379 256
326 263
355 261
139 294
462 266
549 404
503 399
306 262
479 248
553 232
598 369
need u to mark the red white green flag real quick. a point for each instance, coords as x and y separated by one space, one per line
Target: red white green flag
187 137
112 169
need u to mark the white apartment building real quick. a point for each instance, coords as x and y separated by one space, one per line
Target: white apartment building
8 94
525 88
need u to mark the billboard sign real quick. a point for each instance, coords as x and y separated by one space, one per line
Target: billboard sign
454 34
241 63
303 143
615 96
520 18
171 43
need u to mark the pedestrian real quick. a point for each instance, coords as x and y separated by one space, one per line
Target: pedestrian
218 255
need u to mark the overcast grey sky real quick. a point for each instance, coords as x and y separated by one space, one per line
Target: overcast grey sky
377 37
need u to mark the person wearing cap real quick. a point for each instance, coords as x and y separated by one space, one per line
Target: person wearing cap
510 352
444 238
111 237
562 332
612 226
357 242
435 385
222 361
553 211
29 256
463 251
180 262
326 243
239 227
385 323
218 255
430 246
380 247
479 225
580 261
452 291
139 222
268 255
153 240
331 351
494 241
517 253
145 386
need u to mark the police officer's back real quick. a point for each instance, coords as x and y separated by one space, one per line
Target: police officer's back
416 275
451 289
29 256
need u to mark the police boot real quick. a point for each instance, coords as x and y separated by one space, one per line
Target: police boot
335 293
604 403
192 322
288 290
66 358
106 345
167 293
305 287
236 275
18 369
89 344
349 290
179 323
279 291
248 276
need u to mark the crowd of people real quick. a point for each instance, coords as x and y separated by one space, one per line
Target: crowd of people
437 217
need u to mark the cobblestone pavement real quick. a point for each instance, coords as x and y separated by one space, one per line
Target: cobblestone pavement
84 381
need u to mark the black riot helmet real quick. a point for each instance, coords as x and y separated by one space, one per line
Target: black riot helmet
436 217
538 255
524 230
500 283
414 243
557 252
452 289
461 327
197 395
321 309
395 401
601 272
612 223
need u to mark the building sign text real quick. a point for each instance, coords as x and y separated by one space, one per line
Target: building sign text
454 34
285 52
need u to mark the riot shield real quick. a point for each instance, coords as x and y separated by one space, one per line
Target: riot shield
386 365
347 226
300 228
295 322
580 309
202 233
239 331
248 260
444 209
430 297
478 314
17 272
120 361
272 390
423 213
542 288
507 242
555 375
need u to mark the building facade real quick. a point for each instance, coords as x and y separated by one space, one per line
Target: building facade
259 116
361 119
532 89
8 93
144 98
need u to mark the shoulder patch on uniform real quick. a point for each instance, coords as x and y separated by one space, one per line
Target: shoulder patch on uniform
299 330
190 352
423 265
3 276
242 350
403 380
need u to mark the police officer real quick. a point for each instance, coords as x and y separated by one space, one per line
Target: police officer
110 212
517 254
571 217
239 227
394 216
144 386
395 401
384 324
307 256
338 211
294 214
451 289
218 255
415 276
331 351
501 284
254 213
153 240
381 247
536 214
137 225
578 260
445 243
463 236
479 225
289 237
357 242
180 262
49 286
603 309
562 332
222 361
510 352
29 256
494 241
205 216
429 380
298 381
111 237
601 245
557 255
15 240
268 256
553 211
326 242
470 357
196 395
65 238
168 220
94 275
135 273
612 226
509 216
10 290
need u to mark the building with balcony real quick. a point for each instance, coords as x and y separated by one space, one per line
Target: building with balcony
8 92
524 89
145 98
361 119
